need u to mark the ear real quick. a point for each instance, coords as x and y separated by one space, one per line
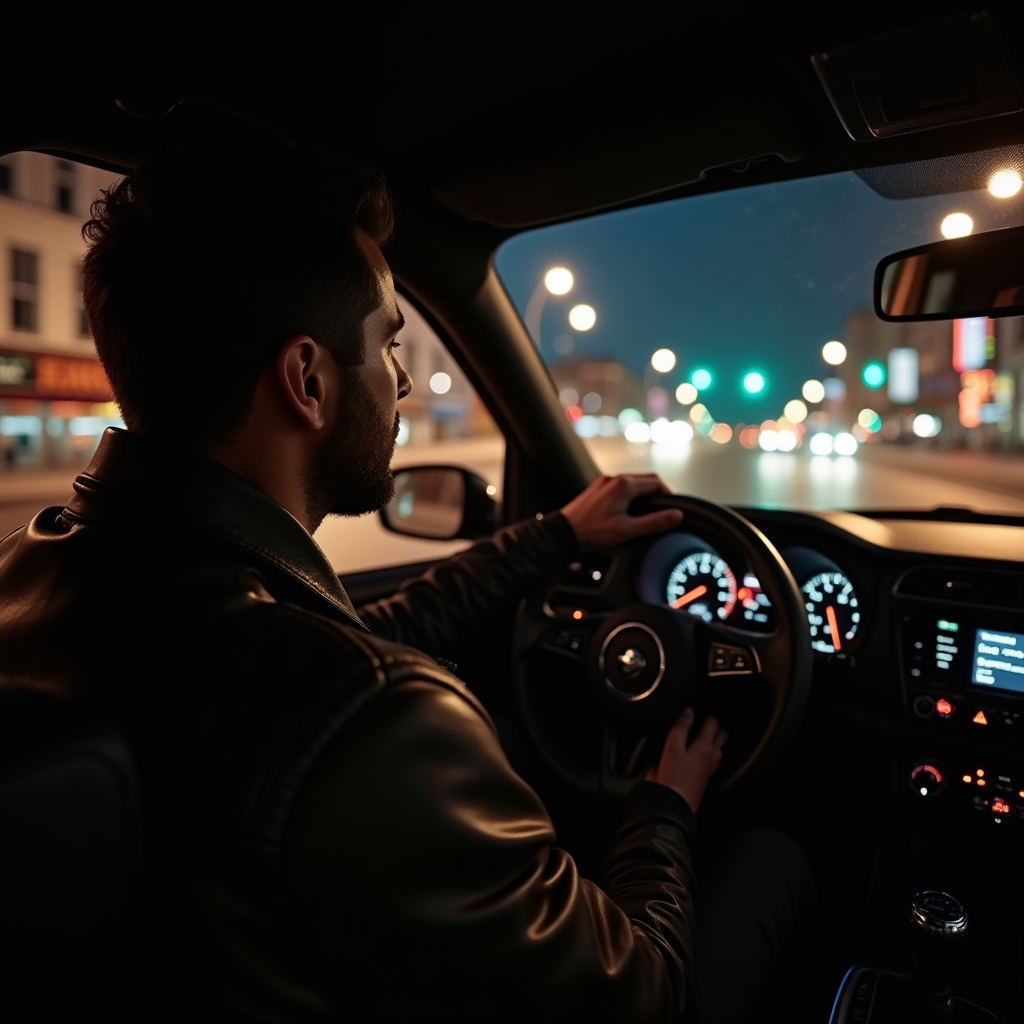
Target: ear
303 374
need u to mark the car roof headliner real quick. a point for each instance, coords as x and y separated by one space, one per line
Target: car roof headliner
509 114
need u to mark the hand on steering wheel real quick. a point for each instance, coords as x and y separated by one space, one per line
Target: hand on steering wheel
600 515
687 766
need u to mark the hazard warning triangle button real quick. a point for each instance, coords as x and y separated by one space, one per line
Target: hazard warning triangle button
980 718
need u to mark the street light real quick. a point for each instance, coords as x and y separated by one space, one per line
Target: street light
833 352
956 225
813 391
582 318
1005 183
795 411
557 281
663 360
686 394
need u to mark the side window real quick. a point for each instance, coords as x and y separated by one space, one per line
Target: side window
55 400
443 422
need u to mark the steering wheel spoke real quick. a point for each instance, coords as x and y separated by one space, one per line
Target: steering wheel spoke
626 754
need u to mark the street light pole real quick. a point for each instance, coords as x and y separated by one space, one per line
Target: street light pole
557 281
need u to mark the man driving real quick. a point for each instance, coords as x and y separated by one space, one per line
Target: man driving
372 853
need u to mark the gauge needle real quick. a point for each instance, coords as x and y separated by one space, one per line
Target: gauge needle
833 625
691 596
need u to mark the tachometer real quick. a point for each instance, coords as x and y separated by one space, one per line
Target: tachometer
704 585
831 610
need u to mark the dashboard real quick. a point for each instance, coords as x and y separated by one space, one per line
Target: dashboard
916 628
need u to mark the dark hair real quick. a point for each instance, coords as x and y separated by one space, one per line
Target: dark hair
200 268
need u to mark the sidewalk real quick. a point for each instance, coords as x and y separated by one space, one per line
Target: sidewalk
35 485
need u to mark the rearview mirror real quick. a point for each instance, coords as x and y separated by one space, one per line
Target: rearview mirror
441 503
980 275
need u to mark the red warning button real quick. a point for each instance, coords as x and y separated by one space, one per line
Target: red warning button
980 718
944 708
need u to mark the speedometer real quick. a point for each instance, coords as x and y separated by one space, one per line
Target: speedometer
704 585
832 611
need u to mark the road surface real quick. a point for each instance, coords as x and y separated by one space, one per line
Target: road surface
877 477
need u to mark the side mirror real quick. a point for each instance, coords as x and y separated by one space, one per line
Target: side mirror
980 275
441 503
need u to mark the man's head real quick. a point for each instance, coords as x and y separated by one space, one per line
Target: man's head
244 309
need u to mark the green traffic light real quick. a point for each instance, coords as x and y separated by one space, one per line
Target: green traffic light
873 375
753 383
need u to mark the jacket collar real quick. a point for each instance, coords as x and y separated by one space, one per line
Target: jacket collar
139 478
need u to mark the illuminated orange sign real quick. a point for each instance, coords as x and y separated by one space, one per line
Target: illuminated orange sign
980 718
70 378
1000 806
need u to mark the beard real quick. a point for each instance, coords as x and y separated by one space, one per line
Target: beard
350 473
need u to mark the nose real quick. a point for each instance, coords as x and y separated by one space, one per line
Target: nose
404 381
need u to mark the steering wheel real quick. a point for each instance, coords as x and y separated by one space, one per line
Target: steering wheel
598 692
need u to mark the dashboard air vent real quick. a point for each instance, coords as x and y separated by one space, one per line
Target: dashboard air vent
966 586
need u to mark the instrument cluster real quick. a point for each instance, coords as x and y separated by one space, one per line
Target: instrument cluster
692 575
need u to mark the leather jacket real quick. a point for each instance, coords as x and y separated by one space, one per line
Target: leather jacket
373 855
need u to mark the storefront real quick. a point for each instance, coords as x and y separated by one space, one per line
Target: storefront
53 409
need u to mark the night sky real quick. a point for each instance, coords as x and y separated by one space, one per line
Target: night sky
756 278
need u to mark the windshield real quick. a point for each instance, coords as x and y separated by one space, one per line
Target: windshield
727 342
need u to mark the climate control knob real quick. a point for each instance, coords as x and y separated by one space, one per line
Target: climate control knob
927 779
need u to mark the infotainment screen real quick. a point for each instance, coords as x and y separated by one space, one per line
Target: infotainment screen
998 660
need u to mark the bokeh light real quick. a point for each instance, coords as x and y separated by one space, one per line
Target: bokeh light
821 444
700 379
926 425
637 432
869 420
956 225
628 416
686 394
845 444
663 360
787 440
569 396
582 317
671 432
769 440
749 436
1005 183
698 412
795 411
813 391
440 383
753 383
873 375
558 281
833 352
721 432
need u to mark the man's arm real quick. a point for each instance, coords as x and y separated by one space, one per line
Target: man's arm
433 611
429 886
437 610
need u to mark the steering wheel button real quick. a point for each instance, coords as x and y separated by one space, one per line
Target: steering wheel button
739 661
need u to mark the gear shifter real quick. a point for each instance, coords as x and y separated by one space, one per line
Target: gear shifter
938 932
939 929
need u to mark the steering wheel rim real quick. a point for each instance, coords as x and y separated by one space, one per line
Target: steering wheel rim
782 660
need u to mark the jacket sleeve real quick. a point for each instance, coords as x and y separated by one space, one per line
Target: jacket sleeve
429 887
432 612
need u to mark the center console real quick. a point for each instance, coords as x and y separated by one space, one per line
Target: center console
962 672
